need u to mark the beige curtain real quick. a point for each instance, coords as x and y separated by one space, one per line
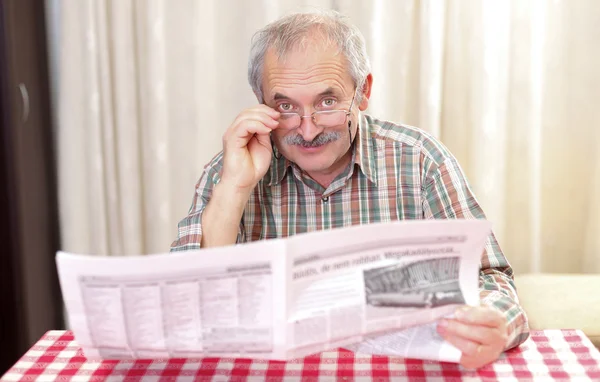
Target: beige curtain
511 87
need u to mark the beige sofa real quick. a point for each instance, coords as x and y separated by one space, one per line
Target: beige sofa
562 301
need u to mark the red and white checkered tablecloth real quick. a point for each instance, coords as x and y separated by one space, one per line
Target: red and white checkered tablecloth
547 355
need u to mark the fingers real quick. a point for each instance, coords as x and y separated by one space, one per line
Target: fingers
263 109
465 345
261 113
475 333
247 147
268 119
250 127
480 324
480 315
475 354
261 140
480 333
259 120
265 115
266 109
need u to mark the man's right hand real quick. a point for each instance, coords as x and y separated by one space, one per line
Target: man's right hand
247 147
246 158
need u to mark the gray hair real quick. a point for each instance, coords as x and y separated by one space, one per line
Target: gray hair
293 30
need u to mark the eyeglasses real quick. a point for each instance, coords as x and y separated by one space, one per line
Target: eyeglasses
322 119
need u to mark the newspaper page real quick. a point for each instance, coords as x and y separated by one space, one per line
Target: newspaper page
374 289
371 289
225 302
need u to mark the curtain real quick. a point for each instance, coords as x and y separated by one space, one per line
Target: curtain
146 89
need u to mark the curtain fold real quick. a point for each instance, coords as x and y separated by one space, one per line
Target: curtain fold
147 88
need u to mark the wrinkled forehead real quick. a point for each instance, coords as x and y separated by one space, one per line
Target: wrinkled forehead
310 67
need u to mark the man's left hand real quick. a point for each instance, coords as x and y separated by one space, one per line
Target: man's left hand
480 332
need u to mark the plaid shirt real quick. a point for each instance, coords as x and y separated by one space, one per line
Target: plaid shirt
398 172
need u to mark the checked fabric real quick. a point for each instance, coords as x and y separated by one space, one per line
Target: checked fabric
546 355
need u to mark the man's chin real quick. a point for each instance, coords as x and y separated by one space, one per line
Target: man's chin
310 165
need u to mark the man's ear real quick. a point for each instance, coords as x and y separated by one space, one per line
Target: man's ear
366 93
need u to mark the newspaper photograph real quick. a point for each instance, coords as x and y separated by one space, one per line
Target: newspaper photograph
375 288
425 283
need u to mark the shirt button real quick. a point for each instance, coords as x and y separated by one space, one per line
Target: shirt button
325 199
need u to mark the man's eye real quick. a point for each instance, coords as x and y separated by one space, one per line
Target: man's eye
328 102
285 106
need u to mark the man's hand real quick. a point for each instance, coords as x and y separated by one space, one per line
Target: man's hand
247 147
479 332
246 158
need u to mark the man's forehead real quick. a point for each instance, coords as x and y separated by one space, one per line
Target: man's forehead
301 92
319 71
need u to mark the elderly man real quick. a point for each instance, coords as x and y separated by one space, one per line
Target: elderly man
306 158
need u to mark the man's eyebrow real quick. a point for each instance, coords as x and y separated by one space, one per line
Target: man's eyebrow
279 96
327 92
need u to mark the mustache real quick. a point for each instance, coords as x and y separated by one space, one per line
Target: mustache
320 140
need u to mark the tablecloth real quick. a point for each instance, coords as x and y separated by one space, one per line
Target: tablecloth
546 355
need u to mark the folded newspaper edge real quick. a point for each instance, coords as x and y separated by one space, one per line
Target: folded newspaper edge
375 289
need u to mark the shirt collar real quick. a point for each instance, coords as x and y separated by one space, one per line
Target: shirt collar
363 155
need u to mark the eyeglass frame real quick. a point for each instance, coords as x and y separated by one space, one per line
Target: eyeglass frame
312 115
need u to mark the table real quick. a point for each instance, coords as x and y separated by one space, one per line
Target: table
546 355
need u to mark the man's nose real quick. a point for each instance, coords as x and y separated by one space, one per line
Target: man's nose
308 129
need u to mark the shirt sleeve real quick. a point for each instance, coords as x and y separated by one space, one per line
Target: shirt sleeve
189 229
447 195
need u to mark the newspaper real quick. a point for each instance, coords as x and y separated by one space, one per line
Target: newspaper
375 288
